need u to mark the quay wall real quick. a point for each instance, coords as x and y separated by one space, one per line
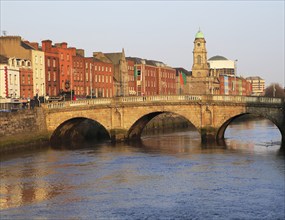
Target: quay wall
22 128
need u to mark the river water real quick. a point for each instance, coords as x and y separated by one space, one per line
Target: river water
166 176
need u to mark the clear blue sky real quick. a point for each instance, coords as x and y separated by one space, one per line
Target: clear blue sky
250 31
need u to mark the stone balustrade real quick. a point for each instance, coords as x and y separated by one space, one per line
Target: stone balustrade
165 98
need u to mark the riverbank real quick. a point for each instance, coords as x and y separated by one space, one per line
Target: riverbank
23 141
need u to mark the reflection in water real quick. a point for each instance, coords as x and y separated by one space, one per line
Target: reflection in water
168 175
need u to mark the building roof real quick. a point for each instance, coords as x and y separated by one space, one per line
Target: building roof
254 78
101 56
217 57
180 69
114 57
3 59
199 34
26 46
138 60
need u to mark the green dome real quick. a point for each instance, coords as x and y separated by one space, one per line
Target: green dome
199 34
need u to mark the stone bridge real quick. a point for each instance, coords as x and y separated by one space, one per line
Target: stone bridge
125 117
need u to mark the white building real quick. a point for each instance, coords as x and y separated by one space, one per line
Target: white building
9 78
222 66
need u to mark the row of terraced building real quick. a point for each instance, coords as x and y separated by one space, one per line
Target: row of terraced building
29 69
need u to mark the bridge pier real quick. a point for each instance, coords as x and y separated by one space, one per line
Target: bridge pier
118 135
208 134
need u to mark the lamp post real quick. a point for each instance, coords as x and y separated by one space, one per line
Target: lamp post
91 89
235 87
71 84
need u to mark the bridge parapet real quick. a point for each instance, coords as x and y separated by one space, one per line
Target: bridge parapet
170 98
244 99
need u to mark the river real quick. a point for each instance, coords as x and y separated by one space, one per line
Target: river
166 176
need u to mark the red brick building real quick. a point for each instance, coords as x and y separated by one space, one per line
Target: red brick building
78 74
103 78
132 82
51 69
64 55
151 85
230 85
167 81
26 80
152 77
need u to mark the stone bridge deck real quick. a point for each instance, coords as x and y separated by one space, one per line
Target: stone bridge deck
125 117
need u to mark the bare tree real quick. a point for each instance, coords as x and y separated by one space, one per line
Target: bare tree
275 90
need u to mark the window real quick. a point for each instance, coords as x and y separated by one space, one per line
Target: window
198 59
49 76
48 62
36 59
53 62
54 76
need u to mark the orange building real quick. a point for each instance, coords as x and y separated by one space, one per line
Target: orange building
132 82
26 82
231 85
51 70
152 77
78 74
103 78
64 55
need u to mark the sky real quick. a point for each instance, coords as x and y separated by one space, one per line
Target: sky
251 32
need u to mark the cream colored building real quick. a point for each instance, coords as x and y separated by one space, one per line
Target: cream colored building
258 85
14 46
38 65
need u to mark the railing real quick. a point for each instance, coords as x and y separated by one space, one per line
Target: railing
164 99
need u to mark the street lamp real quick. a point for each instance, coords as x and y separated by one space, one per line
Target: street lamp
235 87
71 73
91 90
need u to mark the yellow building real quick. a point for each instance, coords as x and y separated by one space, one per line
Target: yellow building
258 85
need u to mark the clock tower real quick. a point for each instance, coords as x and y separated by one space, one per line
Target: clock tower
202 82
200 66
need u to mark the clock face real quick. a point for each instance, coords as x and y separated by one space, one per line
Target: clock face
198 44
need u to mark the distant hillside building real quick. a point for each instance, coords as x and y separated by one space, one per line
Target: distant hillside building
258 85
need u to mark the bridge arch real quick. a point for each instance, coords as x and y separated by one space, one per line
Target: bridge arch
136 129
77 130
222 129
